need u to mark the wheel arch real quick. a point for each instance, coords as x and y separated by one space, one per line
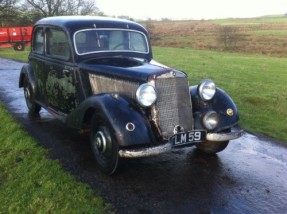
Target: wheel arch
220 103
88 116
27 81
26 71
119 112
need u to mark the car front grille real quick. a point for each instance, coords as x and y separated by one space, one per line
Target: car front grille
173 105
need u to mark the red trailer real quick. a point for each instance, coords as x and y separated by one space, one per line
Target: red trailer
18 37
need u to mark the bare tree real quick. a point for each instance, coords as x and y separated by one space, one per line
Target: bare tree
229 36
7 11
81 7
62 7
6 4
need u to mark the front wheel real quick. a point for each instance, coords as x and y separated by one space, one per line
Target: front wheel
211 147
104 145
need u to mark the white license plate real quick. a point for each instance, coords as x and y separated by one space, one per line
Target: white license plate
184 138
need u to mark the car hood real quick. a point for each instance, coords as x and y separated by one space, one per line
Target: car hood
124 68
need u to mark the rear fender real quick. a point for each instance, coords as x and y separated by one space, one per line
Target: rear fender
221 103
120 113
26 71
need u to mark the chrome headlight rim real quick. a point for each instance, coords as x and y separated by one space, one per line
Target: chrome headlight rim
206 90
146 95
210 120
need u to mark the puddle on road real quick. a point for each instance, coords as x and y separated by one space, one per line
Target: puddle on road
251 144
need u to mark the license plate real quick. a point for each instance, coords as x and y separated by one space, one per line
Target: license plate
188 137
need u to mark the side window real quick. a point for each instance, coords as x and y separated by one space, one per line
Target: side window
57 44
38 41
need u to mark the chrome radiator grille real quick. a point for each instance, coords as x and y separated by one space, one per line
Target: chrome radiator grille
102 84
173 104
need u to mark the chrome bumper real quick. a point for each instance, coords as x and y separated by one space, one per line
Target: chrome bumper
224 136
146 152
156 150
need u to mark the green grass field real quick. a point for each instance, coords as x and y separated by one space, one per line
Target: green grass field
30 182
276 19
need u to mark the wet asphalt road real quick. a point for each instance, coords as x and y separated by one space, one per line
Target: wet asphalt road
248 177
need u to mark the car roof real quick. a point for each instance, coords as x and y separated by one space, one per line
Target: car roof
74 23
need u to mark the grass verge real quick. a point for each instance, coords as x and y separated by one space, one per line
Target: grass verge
10 53
30 182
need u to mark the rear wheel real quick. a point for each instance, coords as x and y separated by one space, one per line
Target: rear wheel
19 46
29 94
104 145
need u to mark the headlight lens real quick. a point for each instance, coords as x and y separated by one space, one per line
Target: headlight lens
146 95
206 90
210 120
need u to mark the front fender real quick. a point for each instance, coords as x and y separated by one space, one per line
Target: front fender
221 103
119 112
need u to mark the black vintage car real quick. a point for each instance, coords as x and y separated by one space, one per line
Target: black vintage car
99 74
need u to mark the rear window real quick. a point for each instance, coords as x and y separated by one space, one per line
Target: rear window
38 40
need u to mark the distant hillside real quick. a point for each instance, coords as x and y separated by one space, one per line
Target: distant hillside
263 35
275 19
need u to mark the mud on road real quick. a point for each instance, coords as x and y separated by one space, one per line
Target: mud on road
248 177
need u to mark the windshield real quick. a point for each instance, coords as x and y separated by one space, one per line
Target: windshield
110 40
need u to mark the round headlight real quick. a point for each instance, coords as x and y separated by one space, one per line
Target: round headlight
210 120
206 90
146 95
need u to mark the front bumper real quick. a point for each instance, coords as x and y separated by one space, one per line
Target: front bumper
218 137
156 150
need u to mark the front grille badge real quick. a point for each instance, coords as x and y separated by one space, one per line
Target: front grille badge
178 129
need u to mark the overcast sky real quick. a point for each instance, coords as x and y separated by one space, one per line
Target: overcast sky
192 9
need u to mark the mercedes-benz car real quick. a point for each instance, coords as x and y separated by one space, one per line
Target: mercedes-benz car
99 74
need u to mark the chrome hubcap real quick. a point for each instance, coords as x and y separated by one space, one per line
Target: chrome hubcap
27 96
27 93
101 142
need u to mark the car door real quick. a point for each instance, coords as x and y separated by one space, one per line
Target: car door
37 61
61 91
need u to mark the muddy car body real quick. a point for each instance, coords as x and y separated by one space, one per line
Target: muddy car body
99 74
